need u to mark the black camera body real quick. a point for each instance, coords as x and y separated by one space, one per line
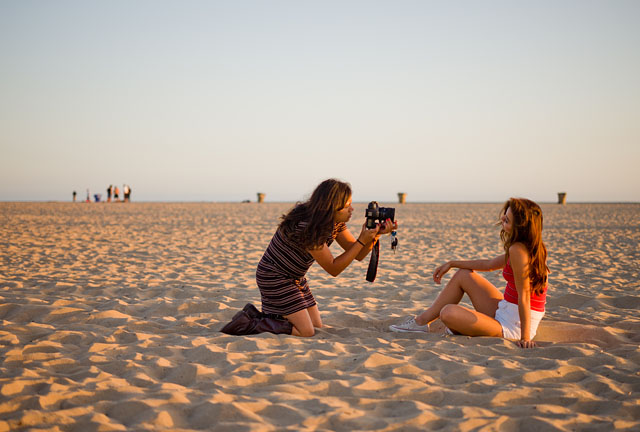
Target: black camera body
376 213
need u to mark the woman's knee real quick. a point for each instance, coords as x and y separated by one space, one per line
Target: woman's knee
468 279
306 332
305 329
314 315
302 323
449 314
463 274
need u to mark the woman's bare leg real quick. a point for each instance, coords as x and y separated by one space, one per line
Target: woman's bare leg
469 322
304 321
314 313
484 296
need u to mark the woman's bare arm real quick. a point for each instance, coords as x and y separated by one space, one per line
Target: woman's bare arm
480 265
519 257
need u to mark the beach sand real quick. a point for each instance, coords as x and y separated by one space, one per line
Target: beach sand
110 318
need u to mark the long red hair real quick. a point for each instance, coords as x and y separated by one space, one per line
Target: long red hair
527 229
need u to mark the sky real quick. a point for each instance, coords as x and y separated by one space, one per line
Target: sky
465 101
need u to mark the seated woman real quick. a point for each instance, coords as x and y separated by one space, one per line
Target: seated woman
512 315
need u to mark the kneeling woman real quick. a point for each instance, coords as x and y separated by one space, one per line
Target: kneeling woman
304 236
517 313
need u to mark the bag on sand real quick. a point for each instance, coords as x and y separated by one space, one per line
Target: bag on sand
251 321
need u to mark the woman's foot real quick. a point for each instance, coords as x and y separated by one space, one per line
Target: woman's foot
409 326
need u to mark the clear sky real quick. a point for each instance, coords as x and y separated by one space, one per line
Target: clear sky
218 100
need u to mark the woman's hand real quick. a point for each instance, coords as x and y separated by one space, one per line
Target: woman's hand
387 226
526 343
368 235
441 271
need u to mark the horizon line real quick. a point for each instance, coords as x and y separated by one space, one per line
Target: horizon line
296 201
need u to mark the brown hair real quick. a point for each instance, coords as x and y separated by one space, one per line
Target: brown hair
527 229
318 212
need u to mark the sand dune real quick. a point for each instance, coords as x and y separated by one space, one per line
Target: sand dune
110 316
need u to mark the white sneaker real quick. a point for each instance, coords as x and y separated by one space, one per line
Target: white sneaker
409 325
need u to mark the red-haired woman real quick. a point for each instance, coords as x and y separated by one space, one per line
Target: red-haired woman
512 315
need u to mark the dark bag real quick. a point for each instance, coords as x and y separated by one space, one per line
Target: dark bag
251 321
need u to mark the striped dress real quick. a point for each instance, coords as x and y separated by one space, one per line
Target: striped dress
281 274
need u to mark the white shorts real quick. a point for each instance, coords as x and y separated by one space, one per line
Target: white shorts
509 318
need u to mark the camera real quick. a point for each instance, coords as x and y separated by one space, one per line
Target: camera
376 213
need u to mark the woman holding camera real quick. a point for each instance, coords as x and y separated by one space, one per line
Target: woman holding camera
512 315
304 236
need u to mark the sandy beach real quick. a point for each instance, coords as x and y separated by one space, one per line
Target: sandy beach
110 318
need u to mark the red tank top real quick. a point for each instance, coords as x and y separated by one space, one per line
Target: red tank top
511 294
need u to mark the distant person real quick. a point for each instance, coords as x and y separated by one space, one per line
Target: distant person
304 236
512 315
109 190
116 194
126 190
88 196
74 196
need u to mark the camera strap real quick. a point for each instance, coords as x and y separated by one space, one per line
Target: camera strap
373 262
